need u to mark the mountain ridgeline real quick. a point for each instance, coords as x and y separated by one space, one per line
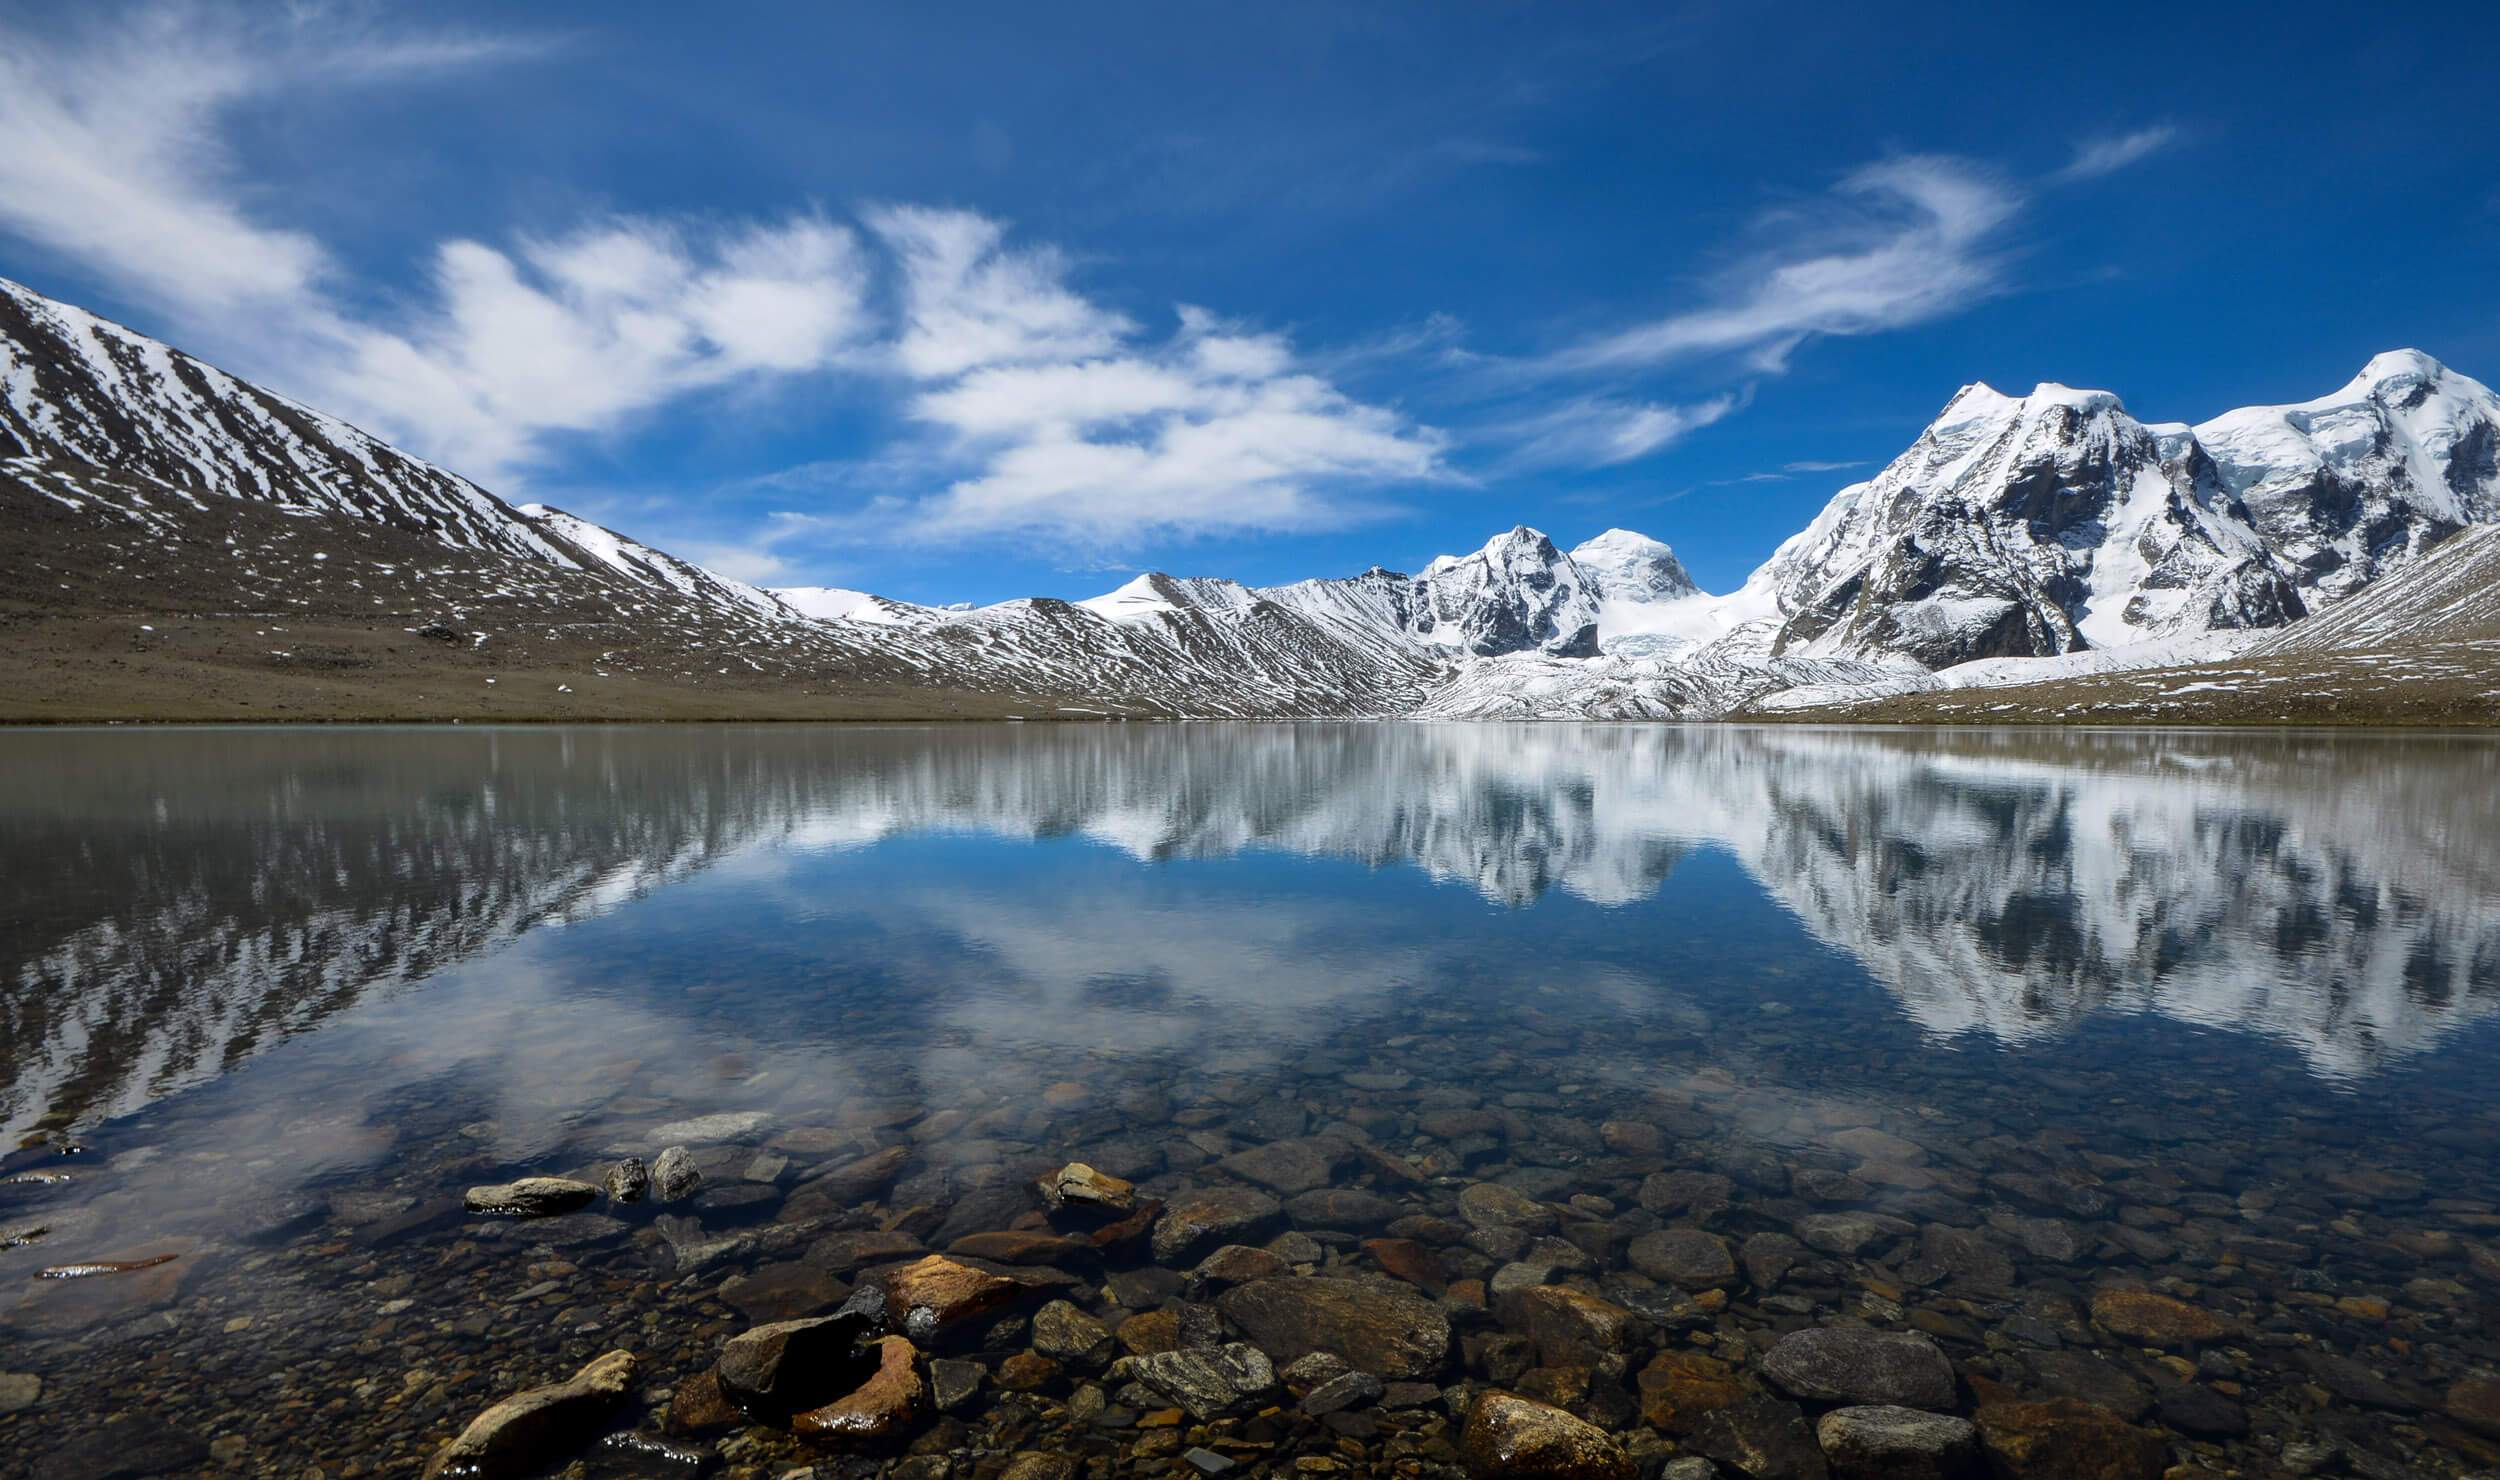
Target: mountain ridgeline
184 544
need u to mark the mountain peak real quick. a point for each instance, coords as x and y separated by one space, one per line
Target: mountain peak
1626 565
2399 365
2050 393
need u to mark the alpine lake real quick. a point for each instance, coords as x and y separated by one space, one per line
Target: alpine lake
1324 1100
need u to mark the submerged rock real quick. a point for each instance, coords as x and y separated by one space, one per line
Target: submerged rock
1849 1364
531 1197
1513 1438
131 1445
1064 1333
1380 1327
1886 1442
1684 1257
1196 1222
528 1431
2156 1320
1208 1381
2065 1439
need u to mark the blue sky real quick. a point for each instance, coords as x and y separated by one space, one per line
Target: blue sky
962 302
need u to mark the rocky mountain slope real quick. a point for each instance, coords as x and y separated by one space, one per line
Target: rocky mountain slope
2057 522
183 544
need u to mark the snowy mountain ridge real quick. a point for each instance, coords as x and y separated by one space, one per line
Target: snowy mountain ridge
2013 530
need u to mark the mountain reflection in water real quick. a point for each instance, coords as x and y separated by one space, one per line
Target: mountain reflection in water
177 902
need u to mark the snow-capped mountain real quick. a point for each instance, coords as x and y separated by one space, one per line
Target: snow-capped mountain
1518 594
134 478
2346 487
2057 522
2025 527
1633 568
83 391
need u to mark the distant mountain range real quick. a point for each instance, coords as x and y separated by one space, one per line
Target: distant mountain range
2052 528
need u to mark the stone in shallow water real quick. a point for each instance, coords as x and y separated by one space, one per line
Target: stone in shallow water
781 1292
1849 1364
1380 1327
528 1431
1761 1437
531 1197
674 1176
1769 1257
1291 1166
1869 1144
2064 1439
1208 1381
2156 1320
697 1405
857 1181
19 1391
1571 1328
728 1125
1696 1195
1409 1261
879 1410
1679 1388
1684 1257
952 1383
1490 1205
791 1364
1884 1442
125 1448
2471 1401
1233 1264
2074 1374
1345 1209
1845 1234
1067 1334
949 1289
628 1180
1195 1222
1513 1438
1082 1185
837 1252
2193 1408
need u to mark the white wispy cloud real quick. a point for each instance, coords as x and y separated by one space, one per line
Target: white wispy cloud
2109 153
1812 465
578 333
118 163
1041 411
969 301
1899 242
1601 432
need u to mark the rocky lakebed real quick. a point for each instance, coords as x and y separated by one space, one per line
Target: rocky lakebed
1416 1256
